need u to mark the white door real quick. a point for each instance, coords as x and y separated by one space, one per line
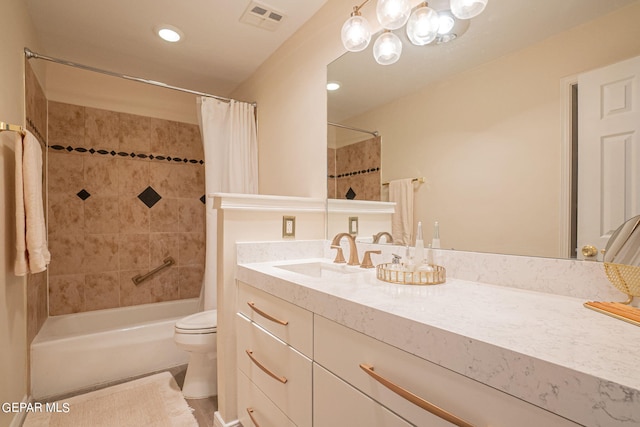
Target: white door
608 151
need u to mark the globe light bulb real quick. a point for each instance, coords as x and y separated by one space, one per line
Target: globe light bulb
387 48
467 9
356 33
422 27
393 14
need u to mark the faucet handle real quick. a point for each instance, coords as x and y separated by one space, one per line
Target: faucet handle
366 260
339 256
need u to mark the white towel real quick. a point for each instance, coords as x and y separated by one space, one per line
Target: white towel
32 254
401 192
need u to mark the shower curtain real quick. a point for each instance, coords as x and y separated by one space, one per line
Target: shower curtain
229 136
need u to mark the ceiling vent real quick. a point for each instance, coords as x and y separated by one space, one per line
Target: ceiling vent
262 16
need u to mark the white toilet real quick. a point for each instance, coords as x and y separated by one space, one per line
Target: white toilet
197 335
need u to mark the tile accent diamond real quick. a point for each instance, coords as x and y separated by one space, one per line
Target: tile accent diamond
203 199
350 194
83 194
149 197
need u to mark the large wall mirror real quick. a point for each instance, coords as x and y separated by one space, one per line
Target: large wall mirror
486 119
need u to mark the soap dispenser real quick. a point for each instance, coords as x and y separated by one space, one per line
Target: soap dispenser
435 242
418 252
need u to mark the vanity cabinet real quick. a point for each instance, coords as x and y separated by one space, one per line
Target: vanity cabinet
256 409
274 342
299 368
350 355
288 322
336 403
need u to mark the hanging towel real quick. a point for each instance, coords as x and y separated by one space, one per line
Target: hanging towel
401 192
32 254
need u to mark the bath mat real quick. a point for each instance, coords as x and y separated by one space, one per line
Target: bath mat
151 401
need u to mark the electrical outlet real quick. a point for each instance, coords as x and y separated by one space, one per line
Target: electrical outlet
288 227
353 225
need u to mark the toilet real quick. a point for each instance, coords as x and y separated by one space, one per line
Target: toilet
196 334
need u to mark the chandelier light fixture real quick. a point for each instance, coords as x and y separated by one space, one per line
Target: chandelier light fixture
424 25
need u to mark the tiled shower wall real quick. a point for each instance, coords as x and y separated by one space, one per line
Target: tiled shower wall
124 192
354 171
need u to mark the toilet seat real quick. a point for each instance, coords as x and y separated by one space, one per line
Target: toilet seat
204 322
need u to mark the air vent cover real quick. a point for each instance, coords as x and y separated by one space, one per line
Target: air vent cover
262 16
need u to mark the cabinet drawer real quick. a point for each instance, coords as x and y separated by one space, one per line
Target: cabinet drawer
278 370
290 323
336 403
255 409
342 350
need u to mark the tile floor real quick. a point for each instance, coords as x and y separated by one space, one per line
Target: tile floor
203 409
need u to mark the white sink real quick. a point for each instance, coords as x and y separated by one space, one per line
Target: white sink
321 269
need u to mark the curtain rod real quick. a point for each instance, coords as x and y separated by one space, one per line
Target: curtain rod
338 125
30 54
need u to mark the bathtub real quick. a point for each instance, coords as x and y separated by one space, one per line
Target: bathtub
78 351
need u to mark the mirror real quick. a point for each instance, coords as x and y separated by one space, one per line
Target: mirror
486 119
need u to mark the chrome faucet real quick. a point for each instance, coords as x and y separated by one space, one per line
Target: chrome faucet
376 237
353 250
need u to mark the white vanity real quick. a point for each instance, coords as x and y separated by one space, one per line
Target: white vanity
320 347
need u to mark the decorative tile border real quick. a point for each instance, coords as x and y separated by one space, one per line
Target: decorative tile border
360 172
32 127
125 154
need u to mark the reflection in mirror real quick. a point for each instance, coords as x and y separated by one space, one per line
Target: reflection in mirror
486 119
622 262
624 244
353 163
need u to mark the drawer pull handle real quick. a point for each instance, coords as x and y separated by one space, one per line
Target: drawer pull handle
265 315
253 420
283 380
427 406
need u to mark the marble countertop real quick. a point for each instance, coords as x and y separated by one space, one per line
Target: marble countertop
546 349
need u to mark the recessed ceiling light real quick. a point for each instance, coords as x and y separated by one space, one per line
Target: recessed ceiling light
169 33
333 86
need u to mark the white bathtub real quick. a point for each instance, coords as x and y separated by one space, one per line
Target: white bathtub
77 351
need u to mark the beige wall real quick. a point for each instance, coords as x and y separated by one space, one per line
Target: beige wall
16 32
290 89
489 143
75 86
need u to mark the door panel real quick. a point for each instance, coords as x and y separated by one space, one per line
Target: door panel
608 151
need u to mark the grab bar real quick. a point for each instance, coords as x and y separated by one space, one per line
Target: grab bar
167 262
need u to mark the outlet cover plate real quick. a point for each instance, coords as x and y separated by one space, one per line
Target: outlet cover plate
288 227
353 225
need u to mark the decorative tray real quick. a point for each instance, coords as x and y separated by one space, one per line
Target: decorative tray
397 273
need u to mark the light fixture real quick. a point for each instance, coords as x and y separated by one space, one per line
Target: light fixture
356 31
393 14
331 86
424 25
450 28
169 33
467 9
387 48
